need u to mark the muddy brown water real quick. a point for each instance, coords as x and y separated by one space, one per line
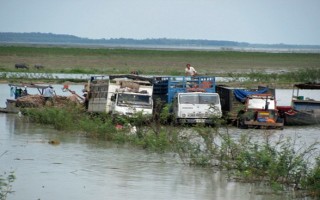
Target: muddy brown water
82 168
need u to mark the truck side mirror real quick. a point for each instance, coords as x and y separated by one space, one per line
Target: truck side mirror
113 97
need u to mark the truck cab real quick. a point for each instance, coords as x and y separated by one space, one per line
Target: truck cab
260 112
196 107
121 94
129 103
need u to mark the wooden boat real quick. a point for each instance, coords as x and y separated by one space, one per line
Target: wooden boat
23 99
303 111
10 107
260 112
11 104
250 108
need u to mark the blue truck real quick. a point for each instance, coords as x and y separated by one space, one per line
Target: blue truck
192 99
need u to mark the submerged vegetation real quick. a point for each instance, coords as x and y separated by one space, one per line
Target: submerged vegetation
276 163
6 181
5 185
304 75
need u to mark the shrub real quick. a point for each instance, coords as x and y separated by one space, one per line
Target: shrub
274 163
312 181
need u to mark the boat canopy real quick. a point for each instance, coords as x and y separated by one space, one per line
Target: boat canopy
40 88
310 86
242 94
22 85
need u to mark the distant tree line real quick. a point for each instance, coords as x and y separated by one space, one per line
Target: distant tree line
50 38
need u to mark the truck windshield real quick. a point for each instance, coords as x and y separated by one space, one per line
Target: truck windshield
134 99
199 99
261 103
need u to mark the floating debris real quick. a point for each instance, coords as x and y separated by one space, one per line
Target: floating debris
54 142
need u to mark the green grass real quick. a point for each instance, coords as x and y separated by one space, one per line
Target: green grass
279 70
169 62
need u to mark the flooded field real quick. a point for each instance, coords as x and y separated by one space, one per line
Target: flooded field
82 168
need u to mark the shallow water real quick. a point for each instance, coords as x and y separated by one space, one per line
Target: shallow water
81 168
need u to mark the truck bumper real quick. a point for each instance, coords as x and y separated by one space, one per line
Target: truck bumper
265 125
194 121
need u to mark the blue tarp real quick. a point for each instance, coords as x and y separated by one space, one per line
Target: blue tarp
241 94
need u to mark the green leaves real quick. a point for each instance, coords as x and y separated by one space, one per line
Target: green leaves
5 184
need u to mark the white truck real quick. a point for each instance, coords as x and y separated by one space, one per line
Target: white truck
196 107
121 94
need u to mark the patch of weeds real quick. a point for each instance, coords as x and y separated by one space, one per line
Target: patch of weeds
6 181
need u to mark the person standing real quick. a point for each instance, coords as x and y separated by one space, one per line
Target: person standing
48 94
25 91
18 92
190 71
86 98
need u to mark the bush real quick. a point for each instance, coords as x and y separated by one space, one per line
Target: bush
277 163
312 181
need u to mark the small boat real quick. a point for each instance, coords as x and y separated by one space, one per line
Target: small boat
260 112
304 111
10 107
21 98
19 91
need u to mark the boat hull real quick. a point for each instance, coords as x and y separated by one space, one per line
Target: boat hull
11 107
295 117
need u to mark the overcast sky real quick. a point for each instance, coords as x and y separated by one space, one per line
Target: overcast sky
253 21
